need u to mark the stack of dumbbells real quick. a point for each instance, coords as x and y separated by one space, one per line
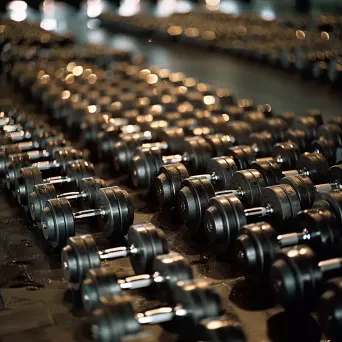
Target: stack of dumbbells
241 178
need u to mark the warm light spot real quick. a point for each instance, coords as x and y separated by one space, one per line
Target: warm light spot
174 30
209 100
48 24
45 79
77 71
65 94
17 6
70 79
300 34
86 73
292 253
144 73
2 28
176 77
189 82
166 99
152 79
164 73
202 87
216 324
209 35
92 109
325 35
191 32
92 79
71 66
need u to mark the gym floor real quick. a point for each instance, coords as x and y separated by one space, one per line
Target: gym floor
32 290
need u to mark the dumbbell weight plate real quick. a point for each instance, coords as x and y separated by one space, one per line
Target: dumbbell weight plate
304 188
149 242
28 178
174 137
123 151
269 170
38 197
250 182
264 141
224 168
316 164
90 186
13 169
169 182
14 149
58 222
64 156
327 147
240 130
100 283
199 153
334 174
289 153
117 211
255 247
330 200
242 155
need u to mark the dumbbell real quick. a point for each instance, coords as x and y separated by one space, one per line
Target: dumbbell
193 301
307 191
41 193
329 309
14 154
74 172
297 277
331 131
113 210
170 140
258 244
197 152
145 242
328 148
309 124
167 270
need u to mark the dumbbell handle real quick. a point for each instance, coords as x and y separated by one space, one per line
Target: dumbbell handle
258 211
35 154
58 180
23 146
161 315
20 135
328 187
175 158
331 268
160 145
290 173
81 215
117 252
140 281
10 128
46 165
292 239
72 195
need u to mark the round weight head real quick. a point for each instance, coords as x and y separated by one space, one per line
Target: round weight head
329 309
174 137
144 167
298 137
315 164
116 209
114 320
53 146
296 278
316 114
223 219
304 188
199 300
264 141
334 174
150 242
282 199
79 256
255 249
123 151
169 182
173 268
99 283
277 127
222 329
240 130
331 131
4 154
223 168
250 182
324 230
79 169
331 200
90 187
64 156
13 169
58 222
193 200
288 153
198 152
256 120
243 156
28 178
219 144
37 199
325 147
270 171
308 125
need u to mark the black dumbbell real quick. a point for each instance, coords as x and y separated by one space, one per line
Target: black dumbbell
41 193
146 163
113 210
328 148
306 190
258 244
145 242
75 171
226 215
170 141
331 131
297 277
329 309
13 154
192 302
309 124
167 270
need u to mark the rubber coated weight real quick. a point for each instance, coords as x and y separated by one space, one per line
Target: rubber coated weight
240 130
224 169
219 144
331 200
58 222
150 243
256 247
308 125
169 182
316 164
250 182
277 127
334 174
77 170
326 147
174 137
298 137
223 219
64 156
198 152
13 169
117 211
304 188
270 171
79 256
123 151
243 156
289 154
330 131
90 186
264 142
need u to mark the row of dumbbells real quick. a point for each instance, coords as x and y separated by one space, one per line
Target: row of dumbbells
61 167
194 308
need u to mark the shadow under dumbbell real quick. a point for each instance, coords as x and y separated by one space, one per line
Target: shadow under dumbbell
251 297
289 326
